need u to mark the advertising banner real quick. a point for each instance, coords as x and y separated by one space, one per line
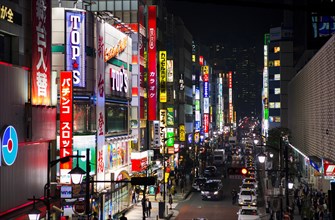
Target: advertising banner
118 59
206 123
182 133
162 76
156 139
169 71
152 71
66 118
100 97
170 137
170 116
162 124
75 46
41 53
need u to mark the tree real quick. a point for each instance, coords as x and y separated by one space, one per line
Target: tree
275 135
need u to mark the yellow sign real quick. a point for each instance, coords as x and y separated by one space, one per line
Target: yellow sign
162 76
182 132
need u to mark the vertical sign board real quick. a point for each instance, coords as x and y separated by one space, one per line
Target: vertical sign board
162 76
162 124
170 116
230 100
206 123
152 72
75 46
169 73
66 121
41 53
100 99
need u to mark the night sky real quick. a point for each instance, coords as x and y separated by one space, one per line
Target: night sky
211 21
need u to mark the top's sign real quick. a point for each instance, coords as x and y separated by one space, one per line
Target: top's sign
75 46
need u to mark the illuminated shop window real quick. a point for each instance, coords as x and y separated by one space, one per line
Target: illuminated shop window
277 77
277 91
276 49
276 63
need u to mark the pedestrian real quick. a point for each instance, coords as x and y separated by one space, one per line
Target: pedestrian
182 183
234 195
157 190
123 217
133 197
148 207
144 209
170 201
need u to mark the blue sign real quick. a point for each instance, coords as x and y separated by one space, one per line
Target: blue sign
9 146
206 89
314 165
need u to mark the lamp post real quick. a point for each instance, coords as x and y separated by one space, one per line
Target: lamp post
262 157
75 173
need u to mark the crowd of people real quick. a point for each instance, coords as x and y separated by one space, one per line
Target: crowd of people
312 204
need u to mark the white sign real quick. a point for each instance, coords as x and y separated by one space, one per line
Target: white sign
66 192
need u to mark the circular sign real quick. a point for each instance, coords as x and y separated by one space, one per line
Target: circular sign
79 207
10 145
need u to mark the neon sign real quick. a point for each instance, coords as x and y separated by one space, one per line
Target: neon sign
75 46
9 146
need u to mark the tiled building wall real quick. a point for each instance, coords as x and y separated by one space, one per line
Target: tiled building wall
312 104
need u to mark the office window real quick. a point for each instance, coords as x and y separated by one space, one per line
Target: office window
276 63
277 105
276 49
271 105
5 48
271 63
277 91
277 77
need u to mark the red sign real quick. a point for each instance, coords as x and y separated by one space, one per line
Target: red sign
230 79
139 165
41 53
206 123
329 168
66 117
201 60
152 71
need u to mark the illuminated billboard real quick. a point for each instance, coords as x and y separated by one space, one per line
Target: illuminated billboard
75 46
169 71
230 96
162 76
66 119
41 52
152 72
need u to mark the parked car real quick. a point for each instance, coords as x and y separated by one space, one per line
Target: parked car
247 197
212 189
198 183
248 213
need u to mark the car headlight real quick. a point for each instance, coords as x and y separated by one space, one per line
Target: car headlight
202 192
216 192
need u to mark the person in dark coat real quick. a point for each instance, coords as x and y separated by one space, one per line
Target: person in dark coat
144 207
170 201
148 207
123 217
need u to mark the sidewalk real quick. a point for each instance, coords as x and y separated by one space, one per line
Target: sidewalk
135 212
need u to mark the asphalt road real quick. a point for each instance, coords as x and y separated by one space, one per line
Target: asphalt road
194 207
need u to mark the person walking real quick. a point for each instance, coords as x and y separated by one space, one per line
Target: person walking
149 207
170 201
234 195
123 217
133 197
144 207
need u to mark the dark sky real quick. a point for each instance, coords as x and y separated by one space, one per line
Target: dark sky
214 21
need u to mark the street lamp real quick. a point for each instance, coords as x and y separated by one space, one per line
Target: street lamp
74 176
288 185
34 214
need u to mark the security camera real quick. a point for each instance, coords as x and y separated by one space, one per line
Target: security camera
57 209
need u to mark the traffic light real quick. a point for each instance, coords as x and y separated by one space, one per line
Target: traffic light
143 181
244 171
